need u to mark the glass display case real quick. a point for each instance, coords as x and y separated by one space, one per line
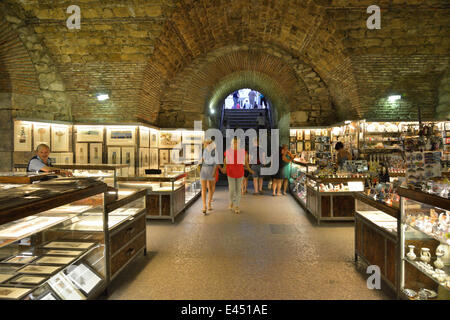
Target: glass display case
424 245
376 238
331 198
107 172
166 193
40 258
297 181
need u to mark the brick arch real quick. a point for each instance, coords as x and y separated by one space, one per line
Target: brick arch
300 30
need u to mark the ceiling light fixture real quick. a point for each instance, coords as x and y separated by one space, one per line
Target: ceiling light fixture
102 96
394 98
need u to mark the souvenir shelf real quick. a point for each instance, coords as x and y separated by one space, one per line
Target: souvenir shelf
108 172
424 246
166 193
331 198
376 239
40 261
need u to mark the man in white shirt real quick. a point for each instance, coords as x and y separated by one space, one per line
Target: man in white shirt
41 163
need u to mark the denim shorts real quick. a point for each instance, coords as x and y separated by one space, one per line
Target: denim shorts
257 169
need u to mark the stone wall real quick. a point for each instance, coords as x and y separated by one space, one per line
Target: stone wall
443 109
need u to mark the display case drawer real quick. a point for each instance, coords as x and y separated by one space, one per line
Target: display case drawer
127 253
121 238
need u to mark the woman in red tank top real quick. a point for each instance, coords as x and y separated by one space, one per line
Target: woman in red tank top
234 161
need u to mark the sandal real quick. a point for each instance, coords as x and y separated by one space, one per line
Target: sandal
204 211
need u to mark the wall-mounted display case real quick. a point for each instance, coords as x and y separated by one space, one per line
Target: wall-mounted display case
376 237
424 246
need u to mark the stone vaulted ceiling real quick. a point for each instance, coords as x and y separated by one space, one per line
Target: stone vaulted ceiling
167 62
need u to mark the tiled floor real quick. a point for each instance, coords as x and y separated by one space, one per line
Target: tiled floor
272 250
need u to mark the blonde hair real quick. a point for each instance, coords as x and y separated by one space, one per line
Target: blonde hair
41 146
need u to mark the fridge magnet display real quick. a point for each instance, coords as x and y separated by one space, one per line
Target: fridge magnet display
114 155
20 259
163 157
64 288
154 159
154 138
41 134
192 137
73 253
307 146
22 136
13 293
69 245
60 138
89 134
144 137
83 277
128 159
299 146
43 270
5 277
120 136
54 260
169 139
299 135
81 153
95 153
30 280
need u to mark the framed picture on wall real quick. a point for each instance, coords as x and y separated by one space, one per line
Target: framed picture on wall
144 137
154 158
144 160
307 146
66 158
60 138
95 153
121 136
154 138
192 137
81 153
163 157
128 159
299 134
22 136
193 151
169 139
176 155
41 134
307 134
89 133
114 155
299 146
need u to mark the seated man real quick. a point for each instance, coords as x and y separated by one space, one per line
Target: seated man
41 162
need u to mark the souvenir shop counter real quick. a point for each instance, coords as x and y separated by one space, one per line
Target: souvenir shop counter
376 239
331 198
167 194
66 239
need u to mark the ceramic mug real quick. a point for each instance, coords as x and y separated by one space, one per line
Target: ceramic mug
425 255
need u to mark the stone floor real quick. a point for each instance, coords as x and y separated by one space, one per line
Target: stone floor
272 250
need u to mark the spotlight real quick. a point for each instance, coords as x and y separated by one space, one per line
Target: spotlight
394 98
102 97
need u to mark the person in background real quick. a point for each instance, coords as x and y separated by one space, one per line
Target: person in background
235 99
208 173
41 162
246 174
263 102
286 174
234 161
251 98
282 176
261 120
342 154
256 167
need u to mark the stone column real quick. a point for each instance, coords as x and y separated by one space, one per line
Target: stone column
6 133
